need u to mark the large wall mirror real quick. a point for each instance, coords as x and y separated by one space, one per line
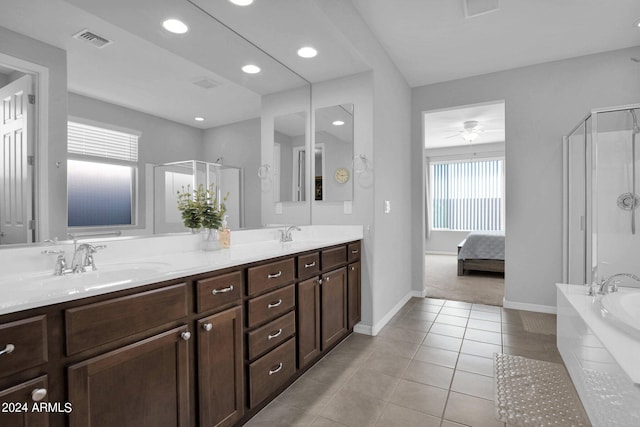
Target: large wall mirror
110 70
289 157
333 153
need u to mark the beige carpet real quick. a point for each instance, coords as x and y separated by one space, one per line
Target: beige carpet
442 281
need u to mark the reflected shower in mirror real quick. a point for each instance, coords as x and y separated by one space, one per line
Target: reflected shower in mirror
289 157
333 152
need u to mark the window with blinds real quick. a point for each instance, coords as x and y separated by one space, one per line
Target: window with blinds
87 140
468 195
101 176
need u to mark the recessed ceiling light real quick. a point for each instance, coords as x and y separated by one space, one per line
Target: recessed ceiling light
175 26
307 52
199 119
338 123
251 69
241 2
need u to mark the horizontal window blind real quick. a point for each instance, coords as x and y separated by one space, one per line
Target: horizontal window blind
93 141
467 195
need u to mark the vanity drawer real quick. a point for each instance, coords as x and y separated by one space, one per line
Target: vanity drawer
308 265
219 291
270 306
270 335
269 276
334 257
271 371
100 323
353 251
23 344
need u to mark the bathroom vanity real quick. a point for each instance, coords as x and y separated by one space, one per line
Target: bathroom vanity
210 348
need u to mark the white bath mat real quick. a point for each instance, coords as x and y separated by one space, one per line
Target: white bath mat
535 393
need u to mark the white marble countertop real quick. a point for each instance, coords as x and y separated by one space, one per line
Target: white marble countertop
126 264
624 347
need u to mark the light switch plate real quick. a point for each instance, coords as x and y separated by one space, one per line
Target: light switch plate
348 207
387 206
278 208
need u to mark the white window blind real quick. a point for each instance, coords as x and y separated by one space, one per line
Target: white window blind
468 195
93 141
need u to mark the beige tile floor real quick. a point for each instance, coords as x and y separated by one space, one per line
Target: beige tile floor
432 365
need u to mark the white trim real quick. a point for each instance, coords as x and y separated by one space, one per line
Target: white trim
387 317
529 307
41 88
439 253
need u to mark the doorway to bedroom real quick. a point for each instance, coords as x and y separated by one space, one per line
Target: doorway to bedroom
464 169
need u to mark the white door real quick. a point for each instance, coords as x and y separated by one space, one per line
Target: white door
16 180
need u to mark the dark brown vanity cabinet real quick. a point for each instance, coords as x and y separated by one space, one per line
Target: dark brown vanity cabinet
200 351
220 368
142 384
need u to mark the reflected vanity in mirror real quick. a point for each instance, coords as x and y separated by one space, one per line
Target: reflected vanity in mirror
185 97
289 157
333 153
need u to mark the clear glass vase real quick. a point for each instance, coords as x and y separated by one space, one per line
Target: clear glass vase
210 240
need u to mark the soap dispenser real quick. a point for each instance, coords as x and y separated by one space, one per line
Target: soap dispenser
225 234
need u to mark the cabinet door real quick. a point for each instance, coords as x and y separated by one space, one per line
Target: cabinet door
17 404
353 286
308 321
220 368
142 384
333 292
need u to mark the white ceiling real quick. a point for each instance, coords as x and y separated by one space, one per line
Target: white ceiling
444 128
431 41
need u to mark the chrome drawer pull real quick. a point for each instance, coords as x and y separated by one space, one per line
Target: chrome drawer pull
185 336
273 276
38 394
274 304
353 269
275 334
313 264
8 349
354 251
207 327
276 370
223 290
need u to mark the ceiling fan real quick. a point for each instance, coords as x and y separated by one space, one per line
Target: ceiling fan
471 130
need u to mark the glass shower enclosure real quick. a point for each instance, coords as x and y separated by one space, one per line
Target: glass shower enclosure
601 183
169 178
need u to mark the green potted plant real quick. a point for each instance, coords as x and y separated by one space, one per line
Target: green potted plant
200 209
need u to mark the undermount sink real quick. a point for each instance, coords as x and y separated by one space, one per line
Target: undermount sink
623 308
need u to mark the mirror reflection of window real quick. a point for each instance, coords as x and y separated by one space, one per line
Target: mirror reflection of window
289 157
334 153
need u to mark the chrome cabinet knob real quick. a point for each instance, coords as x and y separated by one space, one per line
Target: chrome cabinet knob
8 349
207 327
186 335
38 394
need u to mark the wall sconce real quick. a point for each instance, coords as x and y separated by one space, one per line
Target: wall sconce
264 172
360 163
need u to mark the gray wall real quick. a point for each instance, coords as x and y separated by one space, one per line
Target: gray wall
52 188
543 103
388 240
162 140
239 145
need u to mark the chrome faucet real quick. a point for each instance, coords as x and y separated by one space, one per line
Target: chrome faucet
285 235
82 258
604 284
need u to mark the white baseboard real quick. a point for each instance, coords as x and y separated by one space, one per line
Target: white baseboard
439 253
529 307
373 330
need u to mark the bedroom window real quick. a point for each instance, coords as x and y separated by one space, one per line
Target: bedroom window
101 176
467 196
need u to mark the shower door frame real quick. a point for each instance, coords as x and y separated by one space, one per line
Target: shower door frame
591 198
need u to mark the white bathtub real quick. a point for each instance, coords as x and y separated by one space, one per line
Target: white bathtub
602 355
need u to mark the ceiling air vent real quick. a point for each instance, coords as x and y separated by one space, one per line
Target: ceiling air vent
205 83
92 38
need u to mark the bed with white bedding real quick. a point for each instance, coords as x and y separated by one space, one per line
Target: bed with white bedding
481 251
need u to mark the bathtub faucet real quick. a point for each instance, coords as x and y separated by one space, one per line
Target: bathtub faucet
604 285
